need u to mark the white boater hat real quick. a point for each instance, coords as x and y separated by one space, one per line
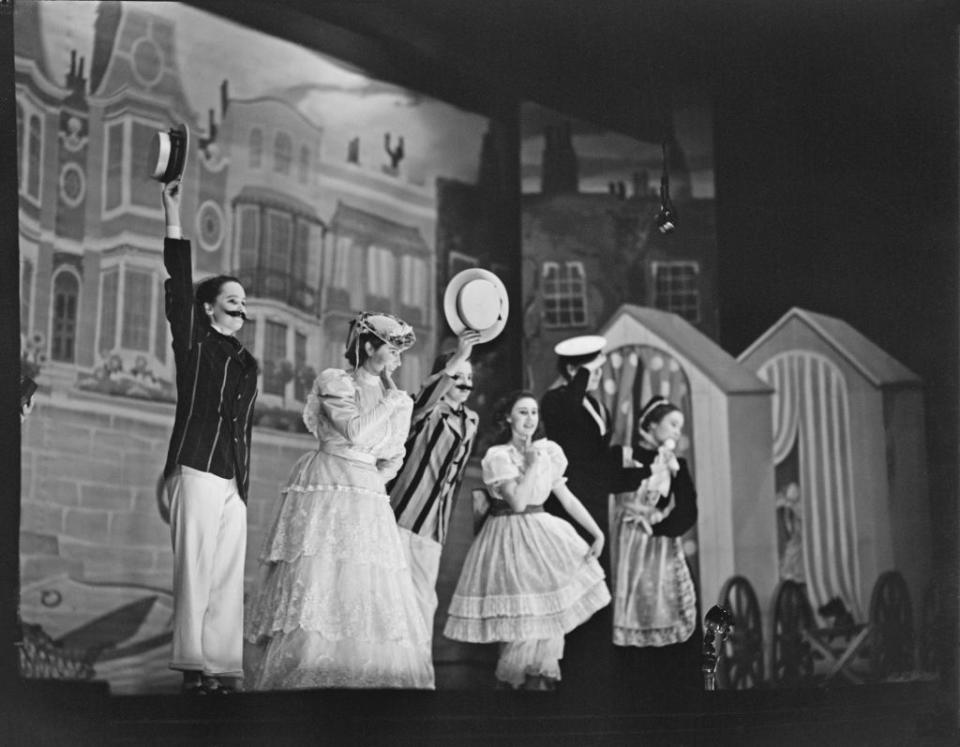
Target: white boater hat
476 299
580 347
168 153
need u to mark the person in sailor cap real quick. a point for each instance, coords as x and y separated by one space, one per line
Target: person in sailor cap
577 420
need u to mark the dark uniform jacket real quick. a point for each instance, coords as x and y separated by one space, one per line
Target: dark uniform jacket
216 383
595 468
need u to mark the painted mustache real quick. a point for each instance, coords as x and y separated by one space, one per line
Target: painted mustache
464 387
237 314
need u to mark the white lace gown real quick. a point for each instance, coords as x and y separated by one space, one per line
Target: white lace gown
336 605
527 579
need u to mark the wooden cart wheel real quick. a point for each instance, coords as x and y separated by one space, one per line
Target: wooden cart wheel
792 655
741 663
891 617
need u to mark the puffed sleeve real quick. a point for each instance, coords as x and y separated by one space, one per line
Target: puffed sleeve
557 462
311 409
337 395
497 466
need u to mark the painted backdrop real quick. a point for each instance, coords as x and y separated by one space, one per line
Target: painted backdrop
325 190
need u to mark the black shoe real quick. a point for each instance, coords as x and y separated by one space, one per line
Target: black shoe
192 684
218 685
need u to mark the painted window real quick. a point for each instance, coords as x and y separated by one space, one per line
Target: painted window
248 236
380 272
256 148
126 174
340 272
279 241
413 279
109 296
282 153
301 251
113 186
137 306
34 156
300 388
274 354
564 293
143 190
304 173
677 288
66 294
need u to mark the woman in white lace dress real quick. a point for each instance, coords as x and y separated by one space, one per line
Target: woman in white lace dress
336 605
528 579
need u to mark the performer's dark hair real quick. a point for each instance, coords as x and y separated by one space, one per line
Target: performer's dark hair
208 290
656 414
441 361
357 354
573 360
502 412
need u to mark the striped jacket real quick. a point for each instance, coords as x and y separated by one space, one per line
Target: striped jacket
437 450
216 383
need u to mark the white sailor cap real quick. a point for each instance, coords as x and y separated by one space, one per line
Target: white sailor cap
580 347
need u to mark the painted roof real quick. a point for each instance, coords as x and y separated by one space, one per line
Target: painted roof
377 228
716 364
878 366
274 198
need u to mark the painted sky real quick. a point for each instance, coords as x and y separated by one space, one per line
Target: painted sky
605 156
439 139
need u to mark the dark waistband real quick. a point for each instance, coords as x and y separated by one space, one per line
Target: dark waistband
502 508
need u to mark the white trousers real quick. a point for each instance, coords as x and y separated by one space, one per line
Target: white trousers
208 526
423 557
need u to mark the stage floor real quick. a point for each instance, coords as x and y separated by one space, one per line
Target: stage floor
55 713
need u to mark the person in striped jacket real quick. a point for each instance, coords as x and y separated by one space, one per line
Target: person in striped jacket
442 434
207 470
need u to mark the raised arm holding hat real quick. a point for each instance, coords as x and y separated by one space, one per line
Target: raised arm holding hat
206 475
441 439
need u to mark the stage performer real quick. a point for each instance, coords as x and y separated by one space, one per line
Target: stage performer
579 423
442 433
208 464
528 578
655 606
336 605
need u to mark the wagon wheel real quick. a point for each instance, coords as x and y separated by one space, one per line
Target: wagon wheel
741 664
891 648
792 656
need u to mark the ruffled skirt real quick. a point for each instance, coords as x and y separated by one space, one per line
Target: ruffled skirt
336 605
526 577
